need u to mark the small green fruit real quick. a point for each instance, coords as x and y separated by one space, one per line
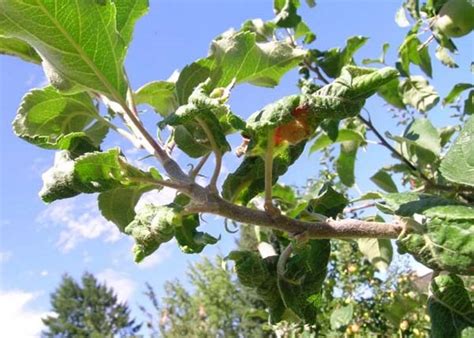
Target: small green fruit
456 18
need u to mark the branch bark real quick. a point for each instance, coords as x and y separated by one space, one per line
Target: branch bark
345 228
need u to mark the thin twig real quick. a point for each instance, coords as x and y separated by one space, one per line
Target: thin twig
359 207
120 131
195 171
317 71
411 166
269 171
387 145
217 154
163 183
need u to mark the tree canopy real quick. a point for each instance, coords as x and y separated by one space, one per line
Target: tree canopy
87 309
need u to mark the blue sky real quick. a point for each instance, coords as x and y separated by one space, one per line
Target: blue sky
39 243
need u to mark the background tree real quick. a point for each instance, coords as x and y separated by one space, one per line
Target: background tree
88 310
214 304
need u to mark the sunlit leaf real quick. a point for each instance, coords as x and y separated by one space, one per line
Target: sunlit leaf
333 60
161 95
47 119
378 251
456 91
449 306
418 93
19 48
458 164
384 181
80 43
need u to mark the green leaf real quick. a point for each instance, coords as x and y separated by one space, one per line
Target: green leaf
417 92
341 317
423 140
118 205
343 98
191 76
469 104
328 202
19 48
410 203
80 43
449 306
99 171
446 133
248 180
346 162
240 56
90 173
263 29
282 114
390 92
324 140
346 96
303 278
261 275
384 181
203 115
46 117
379 252
458 164
401 18
191 141
381 59
456 91
333 60
284 193
286 13
440 244
442 54
58 181
161 95
151 227
303 31
409 53
371 195
189 239
128 12
451 212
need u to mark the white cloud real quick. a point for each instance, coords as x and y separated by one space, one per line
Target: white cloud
44 273
164 196
18 319
5 256
159 256
80 221
123 286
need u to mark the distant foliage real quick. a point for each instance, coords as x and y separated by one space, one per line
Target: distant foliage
87 309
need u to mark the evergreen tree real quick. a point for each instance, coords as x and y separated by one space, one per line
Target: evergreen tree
88 310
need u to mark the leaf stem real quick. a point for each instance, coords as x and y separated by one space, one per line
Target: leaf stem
317 71
153 181
387 145
120 131
217 154
195 171
269 171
